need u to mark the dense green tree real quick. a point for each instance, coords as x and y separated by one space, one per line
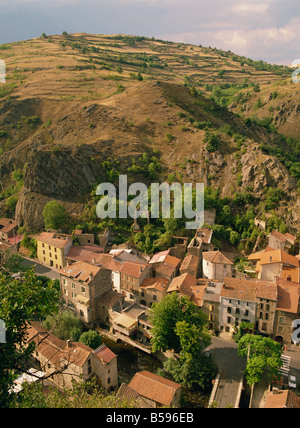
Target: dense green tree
166 314
91 338
64 325
54 215
21 300
263 357
82 396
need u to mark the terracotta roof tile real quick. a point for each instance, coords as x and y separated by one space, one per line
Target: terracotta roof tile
183 284
217 257
80 271
154 387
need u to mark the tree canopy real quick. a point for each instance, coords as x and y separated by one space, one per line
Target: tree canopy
264 357
54 215
180 325
173 315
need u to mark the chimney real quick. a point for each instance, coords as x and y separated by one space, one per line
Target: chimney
91 275
68 343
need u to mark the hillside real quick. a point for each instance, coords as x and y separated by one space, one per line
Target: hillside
77 109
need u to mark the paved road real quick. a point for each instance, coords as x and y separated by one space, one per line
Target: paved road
40 269
231 369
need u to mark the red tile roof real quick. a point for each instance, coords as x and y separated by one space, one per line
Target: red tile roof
217 257
104 354
154 387
133 269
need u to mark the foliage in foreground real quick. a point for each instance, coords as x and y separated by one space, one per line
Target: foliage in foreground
83 396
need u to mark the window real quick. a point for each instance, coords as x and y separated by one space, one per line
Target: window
237 311
108 380
74 295
225 266
267 307
267 316
83 289
154 297
246 312
73 286
229 309
229 320
281 320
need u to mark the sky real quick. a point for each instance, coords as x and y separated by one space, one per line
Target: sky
265 30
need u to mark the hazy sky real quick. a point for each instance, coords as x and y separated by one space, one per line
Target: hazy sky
259 29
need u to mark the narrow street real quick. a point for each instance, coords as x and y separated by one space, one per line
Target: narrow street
231 369
40 269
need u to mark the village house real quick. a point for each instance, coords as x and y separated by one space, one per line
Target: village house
266 304
287 309
131 277
237 303
282 399
280 241
82 286
65 361
211 302
84 238
8 229
272 263
155 390
153 290
191 265
169 268
183 284
52 249
217 265
132 326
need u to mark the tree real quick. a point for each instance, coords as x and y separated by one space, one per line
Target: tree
166 314
54 215
22 300
82 395
91 338
263 357
179 323
64 325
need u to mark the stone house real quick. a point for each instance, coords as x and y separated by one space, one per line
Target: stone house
65 361
183 284
169 268
155 390
152 290
191 265
280 241
272 263
287 310
217 265
131 277
84 238
8 228
82 286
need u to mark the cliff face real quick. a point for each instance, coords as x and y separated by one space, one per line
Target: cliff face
68 130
